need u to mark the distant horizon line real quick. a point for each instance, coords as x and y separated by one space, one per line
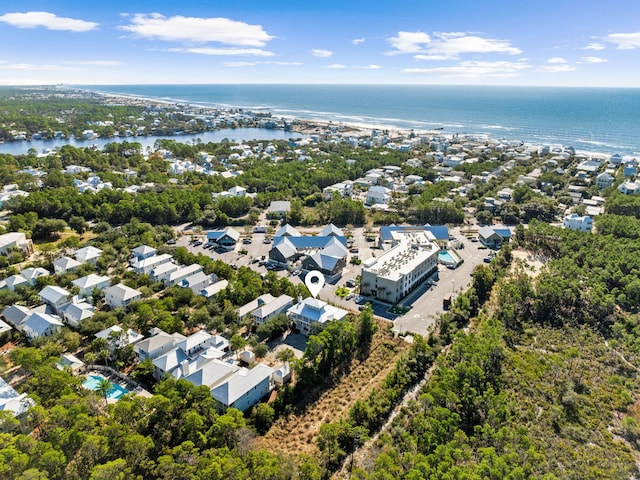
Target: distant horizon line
76 85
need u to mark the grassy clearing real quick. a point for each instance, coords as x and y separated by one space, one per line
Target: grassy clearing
296 433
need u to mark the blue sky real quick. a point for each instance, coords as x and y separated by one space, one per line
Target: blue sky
470 42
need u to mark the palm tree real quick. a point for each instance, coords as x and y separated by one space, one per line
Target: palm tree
104 387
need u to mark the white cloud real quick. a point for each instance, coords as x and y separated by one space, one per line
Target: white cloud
593 60
558 68
447 45
556 60
431 57
95 63
372 67
47 20
624 41
595 46
336 66
252 64
358 41
474 69
458 45
409 42
195 29
224 51
29 66
319 52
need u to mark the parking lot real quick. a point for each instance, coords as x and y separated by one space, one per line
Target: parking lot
424 303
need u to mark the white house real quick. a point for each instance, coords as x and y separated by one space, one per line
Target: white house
39 325
629 188
89 283
88 254
197 282
121 296
15 240
55 296
161 272
157 345
75 313
576 222
12 401
269 310
311 315
378 195
214 288
16 314
177 276
143 251
604 180
244 388
119 338
31 274
10 283
65 264
147 264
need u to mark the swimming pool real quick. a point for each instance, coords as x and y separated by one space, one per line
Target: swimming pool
445 257
115 392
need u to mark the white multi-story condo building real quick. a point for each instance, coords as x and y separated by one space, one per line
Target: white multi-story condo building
393 275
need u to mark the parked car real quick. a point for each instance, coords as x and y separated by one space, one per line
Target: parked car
350 284
350 296
266 240
171 242
246 241
197 243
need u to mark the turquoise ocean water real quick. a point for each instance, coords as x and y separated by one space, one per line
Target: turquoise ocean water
592 119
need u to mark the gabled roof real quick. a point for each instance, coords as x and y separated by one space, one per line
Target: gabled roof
88 253
65 263
4 327
39 323
331 229
32 273
240 383
158 340
317 310
53 294
90 281
324 262
170 360
122 292
335 248
270 307
287 230
184 272
286 248
211 373
214 288
194 340
195 279
143 250
15 314
253 304
15 280
128 338
152 260
78 311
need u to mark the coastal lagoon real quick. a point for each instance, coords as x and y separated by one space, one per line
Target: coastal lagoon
21 147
